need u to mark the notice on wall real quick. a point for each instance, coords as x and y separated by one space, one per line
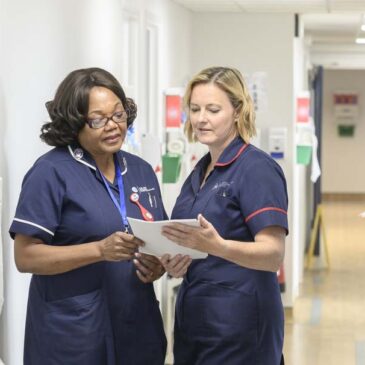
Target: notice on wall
303 108
346 107
173 111
257 85
346 112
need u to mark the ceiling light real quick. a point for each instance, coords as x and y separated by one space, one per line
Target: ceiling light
360 40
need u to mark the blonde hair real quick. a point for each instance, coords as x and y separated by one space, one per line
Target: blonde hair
232 83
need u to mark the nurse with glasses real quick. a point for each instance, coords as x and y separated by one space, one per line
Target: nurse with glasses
91 297
118 117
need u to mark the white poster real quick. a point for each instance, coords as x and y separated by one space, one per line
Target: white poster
257 85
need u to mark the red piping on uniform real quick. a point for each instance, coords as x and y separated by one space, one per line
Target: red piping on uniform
264 210
238 153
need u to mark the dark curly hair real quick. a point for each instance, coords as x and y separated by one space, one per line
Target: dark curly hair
70 105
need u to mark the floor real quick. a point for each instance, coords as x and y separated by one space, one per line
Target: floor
327 324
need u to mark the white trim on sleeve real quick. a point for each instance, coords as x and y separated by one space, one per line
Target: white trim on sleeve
35 225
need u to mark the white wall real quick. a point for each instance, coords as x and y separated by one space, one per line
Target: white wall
252 43
257 43
342 157
1 171
2 126
42 41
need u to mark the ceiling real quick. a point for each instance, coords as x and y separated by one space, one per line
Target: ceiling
325 21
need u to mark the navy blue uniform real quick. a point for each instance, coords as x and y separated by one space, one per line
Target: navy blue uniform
99 314
226 313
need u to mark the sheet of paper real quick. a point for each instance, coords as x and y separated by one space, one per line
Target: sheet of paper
157 244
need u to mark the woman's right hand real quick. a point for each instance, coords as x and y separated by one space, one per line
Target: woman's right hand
119 246
176 266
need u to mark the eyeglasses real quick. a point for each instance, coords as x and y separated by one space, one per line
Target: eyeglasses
117 117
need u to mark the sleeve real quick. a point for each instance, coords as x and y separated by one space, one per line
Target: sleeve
40 203
263 196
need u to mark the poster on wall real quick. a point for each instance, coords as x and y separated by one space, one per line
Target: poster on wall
346 106
173 111
257 85
346 112
303 108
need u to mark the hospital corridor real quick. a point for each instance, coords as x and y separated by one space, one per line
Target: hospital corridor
327 323
182 182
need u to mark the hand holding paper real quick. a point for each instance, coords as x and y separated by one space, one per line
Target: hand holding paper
176 266
203 236
159 245
149 268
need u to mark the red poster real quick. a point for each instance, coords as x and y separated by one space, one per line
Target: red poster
303 106
173 111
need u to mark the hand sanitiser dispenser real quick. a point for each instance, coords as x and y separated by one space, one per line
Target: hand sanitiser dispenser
277 142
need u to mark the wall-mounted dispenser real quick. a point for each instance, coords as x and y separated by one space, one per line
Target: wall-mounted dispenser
277 142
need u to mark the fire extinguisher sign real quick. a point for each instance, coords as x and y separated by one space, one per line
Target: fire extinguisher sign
173 111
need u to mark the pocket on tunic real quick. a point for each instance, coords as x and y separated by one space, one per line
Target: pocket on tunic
76 328
145 332
215 312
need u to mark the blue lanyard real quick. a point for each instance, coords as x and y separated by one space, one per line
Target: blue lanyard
121 205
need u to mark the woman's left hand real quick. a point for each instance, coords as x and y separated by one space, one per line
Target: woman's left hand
204 238
149 267
176 266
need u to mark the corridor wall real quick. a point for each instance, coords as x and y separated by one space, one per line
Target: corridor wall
341 155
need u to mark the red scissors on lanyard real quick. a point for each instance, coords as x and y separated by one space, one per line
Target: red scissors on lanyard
147 216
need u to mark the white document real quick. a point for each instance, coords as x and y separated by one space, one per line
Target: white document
157 244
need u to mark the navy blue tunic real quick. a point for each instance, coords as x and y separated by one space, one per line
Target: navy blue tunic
99 314
226 313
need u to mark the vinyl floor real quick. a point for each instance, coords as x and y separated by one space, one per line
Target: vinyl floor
327 323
